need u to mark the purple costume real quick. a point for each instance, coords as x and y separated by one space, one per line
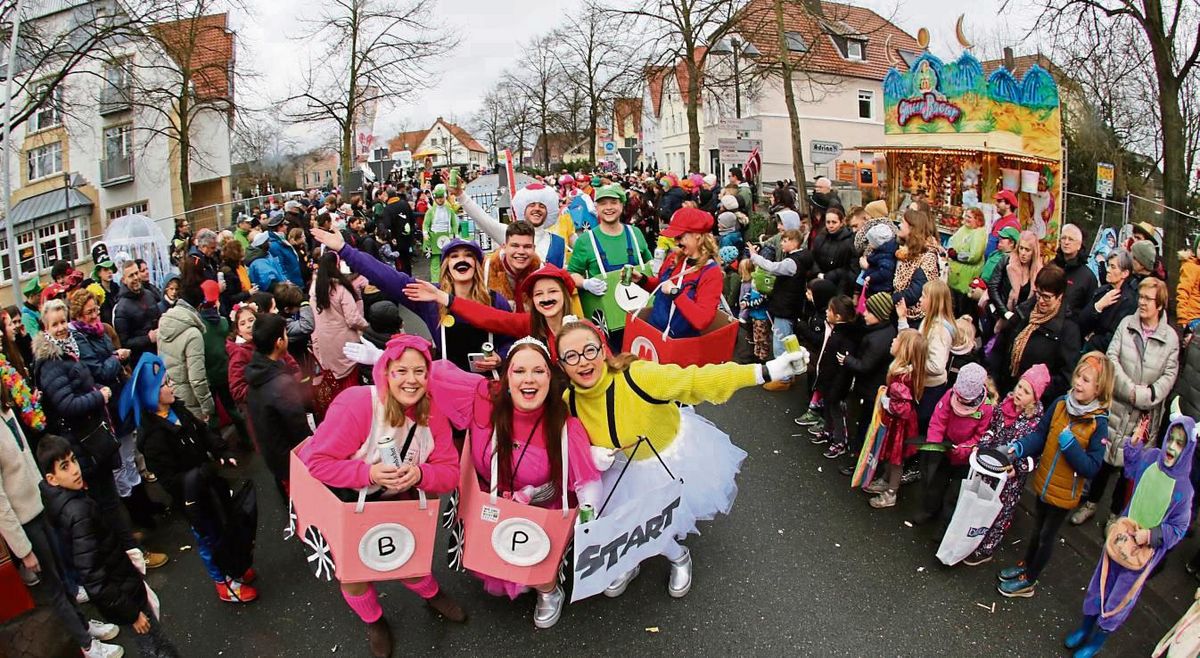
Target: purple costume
1162 537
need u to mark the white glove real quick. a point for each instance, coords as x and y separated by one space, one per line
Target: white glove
596 286
364 352
787 366
886 402
603 458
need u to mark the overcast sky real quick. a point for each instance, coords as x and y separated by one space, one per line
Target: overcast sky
492 32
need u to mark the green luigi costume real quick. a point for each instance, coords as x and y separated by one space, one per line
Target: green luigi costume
31 315
440 227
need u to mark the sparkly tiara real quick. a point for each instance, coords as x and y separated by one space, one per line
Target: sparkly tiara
530 340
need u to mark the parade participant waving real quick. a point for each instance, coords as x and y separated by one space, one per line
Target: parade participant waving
1155 521
536 204
690 280
620 399
515 438
440 225
549 291
608 248
343 453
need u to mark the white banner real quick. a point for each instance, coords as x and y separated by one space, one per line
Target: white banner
611 545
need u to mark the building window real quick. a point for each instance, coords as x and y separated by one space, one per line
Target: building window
44 161
854 50
49 113
38 248
795 42
139 208
118 141
866 101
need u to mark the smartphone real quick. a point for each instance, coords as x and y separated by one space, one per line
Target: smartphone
473 358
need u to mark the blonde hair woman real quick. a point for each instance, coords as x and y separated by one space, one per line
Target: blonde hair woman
690 279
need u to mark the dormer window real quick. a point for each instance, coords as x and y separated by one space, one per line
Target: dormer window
795 42
854 50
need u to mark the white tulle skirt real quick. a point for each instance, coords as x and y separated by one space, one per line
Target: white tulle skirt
701 454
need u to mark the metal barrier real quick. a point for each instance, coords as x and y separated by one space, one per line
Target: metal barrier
217 216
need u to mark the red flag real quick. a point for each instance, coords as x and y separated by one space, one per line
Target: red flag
753 165
509 170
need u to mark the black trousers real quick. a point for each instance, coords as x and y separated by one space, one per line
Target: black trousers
937 474
1048 521
1100 483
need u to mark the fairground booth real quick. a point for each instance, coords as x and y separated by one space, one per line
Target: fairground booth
961 135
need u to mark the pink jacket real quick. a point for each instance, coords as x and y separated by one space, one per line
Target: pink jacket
962 432
341 323
329 455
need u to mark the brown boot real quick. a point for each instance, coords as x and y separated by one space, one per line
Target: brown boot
379 638
775 386
447 607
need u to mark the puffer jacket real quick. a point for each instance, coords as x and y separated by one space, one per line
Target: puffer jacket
1145 372
285 255
72 401
264 269
216 359
1187 292
181 346
1061 474
834 257
135 315
171 450
105 571
869 362
881 268
97 352
958 434
1187 385
239 355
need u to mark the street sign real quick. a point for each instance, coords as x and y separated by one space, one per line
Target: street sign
610 148
740 125
404 157
822 152
739 145
1105 173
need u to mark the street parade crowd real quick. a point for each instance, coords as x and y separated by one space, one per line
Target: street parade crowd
984 361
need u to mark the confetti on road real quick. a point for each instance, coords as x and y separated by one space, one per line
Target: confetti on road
651 629
185 547
838 545
920 569
781 531
908 524
820 470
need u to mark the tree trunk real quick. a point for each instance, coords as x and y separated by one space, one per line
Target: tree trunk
185 147
1174 141
789 99
693 112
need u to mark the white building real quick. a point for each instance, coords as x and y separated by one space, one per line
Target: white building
444 143
839 61
89 155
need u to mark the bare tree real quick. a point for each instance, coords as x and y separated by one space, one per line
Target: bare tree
262 145
519 120
373 52
537 82
489 122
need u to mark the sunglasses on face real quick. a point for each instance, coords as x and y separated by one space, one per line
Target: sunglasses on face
590 352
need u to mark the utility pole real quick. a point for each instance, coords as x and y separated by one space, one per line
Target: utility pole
14 254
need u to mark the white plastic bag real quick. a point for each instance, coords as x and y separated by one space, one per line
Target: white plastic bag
978 505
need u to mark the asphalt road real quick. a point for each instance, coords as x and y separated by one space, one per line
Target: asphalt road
803 566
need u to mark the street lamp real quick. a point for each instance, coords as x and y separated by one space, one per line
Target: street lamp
738 49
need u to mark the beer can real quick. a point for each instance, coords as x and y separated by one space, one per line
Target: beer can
488 349
586 513
791 343
388 453
627 275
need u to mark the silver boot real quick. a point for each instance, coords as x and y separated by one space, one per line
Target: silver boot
549 607
618 586
680 582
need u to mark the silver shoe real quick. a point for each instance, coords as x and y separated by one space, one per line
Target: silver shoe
549 607
680 582
618 586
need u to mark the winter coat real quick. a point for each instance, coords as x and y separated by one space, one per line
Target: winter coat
1187 292
832 379
216 360
1000 287
958 433
104 569
923 268
1098 327
97 352
671 201
881 268
787 297
1054 344
835 258
181 346
71 398
277 410
899 417
20 501
1061 474
233 292
264 268
810 326
32 319
285 255
869 361
172 450
208 266
133 318
111 295
1187 385
968 244
1144 374
937 350
1081 283
337 325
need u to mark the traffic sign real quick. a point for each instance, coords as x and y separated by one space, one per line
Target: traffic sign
740 125
822 152
1105 173
610 148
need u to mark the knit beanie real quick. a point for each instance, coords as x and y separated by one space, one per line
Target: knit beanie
729 202
728 254
879 234
880 305
1038 377
726 219
970 386
1143 252
876 209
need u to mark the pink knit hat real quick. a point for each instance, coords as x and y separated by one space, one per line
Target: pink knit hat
395 347
1038 377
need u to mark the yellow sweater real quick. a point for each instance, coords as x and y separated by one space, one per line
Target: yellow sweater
658 421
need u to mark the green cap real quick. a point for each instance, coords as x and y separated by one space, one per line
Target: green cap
32 286
1011 234
439 191
613 191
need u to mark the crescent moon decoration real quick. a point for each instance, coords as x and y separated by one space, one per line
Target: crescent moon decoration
962 36
891 56
923 38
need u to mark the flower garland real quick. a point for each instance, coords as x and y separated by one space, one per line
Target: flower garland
30 409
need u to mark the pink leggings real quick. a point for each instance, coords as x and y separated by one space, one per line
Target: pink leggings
366 605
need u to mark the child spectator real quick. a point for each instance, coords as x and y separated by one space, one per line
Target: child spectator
938 329
277 408
294 307
1015 417
105 571
832 380
784 301
962 349
384 321
754 310
868 363
387 249
216 361
959 418
1069 446
811 333
905 384
879 262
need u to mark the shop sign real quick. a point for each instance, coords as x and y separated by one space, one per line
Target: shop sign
929 106
1105 173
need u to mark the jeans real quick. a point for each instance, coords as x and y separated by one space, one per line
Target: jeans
1049 520
780 329
53 580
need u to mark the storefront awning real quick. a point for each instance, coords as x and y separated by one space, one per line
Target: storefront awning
48 204
959 149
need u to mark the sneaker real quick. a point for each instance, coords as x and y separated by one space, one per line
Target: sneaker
102 631
835 450
1012 573
1017 589
249 576
884 500
99 649
236 592
618 586
877 487
149 477
81 596
776 386
973 561
809 418
910 475
1083 513
848 469
155 560
819 438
